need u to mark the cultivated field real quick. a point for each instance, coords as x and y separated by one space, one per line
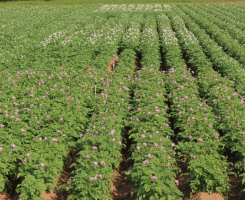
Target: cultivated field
122 101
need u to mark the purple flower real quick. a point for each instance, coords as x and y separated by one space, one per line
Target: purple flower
100 176
155 145
169 157
91 179
190 137
229 98
119 143
112 132
114 139
205 118
138 148
1 148
194 157
153 178
144 144
176 182
200 140
172 145
95 164
146 162
22 130
87 156
191 109
168 165
102 162
151 136
242 133
54 139
94 148
12 145
42 165
149 156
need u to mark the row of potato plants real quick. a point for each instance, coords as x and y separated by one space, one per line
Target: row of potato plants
233 11
226 14
41 117
112 8
226 103
225 23
153 174
111 40
198 140
225 64
230 45
99 147
132 36
21 36
149 44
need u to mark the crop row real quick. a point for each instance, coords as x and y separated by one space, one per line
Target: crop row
226 65
225 102
192 117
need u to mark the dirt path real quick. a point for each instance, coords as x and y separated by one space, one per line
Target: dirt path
110 67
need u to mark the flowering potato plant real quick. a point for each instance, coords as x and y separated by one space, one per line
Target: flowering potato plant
204 74
153 174
40 123
131 38
192 117
221 61
99 147
231 45
149 46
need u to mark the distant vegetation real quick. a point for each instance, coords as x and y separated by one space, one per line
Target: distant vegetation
86 2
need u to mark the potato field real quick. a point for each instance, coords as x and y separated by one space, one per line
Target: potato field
150 86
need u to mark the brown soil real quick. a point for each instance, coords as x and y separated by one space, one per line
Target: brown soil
62 194
163 66
206 196
236 184
137 65
121 188
110 67
7 196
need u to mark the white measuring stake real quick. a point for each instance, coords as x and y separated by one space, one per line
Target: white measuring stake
95 86
113 61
